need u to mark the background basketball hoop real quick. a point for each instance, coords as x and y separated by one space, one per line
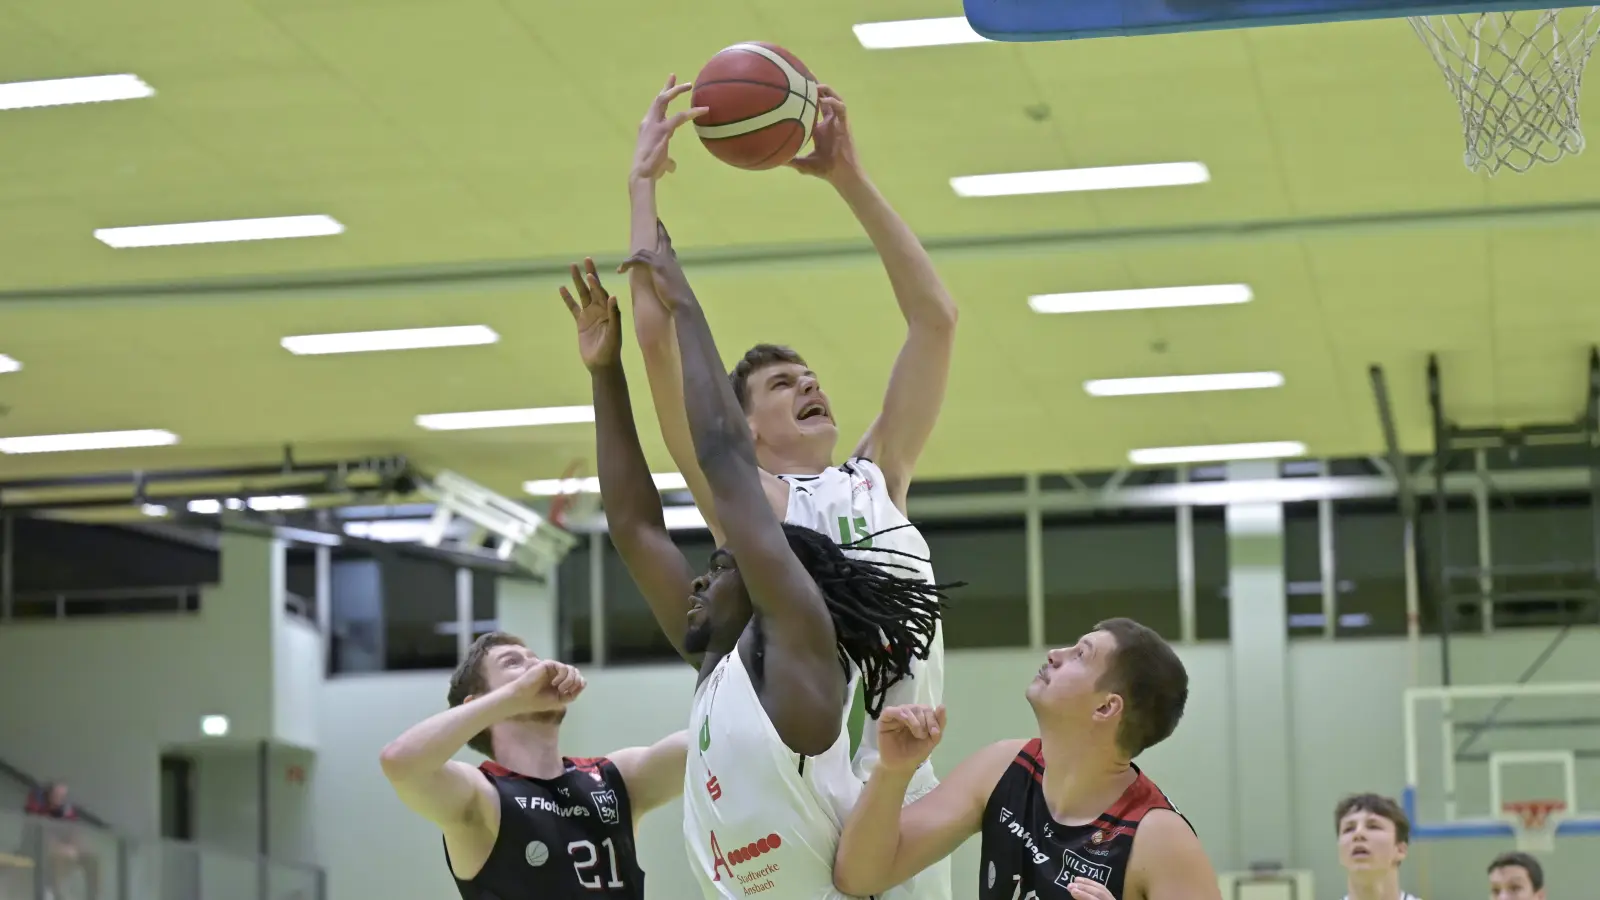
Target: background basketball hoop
1534 822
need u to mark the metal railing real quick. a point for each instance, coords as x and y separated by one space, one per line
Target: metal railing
179 598
51 859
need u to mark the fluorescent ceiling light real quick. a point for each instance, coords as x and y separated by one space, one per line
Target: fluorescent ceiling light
67 91
397 339
550 487
275 504
214 726
153 510
7 364
1141 298
99 440
1155 456
506 418
219 232
1183 384
916 33
1105 178
405 531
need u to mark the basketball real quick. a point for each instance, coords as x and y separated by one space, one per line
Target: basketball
762 104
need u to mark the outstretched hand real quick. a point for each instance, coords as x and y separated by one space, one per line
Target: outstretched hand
650 158
833 150
594 311
671 284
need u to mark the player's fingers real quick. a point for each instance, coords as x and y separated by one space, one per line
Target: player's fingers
643 259
675 91
597 294
913 723
579 289
613 313
939 717
572 305
658 106
678 119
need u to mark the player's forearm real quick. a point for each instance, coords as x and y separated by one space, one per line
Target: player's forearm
426 746
722 442
918 290
627 492
864 863
652 324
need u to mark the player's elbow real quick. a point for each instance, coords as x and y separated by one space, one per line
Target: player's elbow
850 878
397 762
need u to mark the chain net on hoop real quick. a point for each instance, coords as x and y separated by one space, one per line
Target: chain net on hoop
1516 76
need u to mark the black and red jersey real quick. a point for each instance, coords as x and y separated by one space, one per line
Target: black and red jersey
1027 855
560 838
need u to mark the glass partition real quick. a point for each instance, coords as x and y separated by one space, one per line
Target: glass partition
48 858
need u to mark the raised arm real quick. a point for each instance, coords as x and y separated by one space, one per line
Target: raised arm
654 774
652 322
453 795
627 492
917 382
885 842
801 644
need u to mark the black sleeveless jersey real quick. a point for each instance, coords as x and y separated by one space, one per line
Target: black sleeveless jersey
1027 855
560 838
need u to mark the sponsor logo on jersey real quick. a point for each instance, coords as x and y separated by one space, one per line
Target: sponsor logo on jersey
1009 823
544 804
606 803
705 734
1075 866
752 881
714 789
864 486
536 853
564 792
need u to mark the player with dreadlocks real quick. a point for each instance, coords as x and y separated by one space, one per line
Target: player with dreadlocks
773 627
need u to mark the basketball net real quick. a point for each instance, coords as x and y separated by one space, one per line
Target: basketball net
1516 77
1534 822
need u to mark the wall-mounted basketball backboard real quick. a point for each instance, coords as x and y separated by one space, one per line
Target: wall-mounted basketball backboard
1055 20
1503 760
1514 66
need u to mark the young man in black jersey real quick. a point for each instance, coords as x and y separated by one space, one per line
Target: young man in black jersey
1065 815
531 824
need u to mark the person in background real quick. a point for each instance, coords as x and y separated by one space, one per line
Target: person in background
1374 834
1516 876
63 854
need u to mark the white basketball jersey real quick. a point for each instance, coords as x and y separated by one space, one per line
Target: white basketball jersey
759 819
850 503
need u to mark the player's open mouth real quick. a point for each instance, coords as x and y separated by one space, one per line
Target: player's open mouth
812 411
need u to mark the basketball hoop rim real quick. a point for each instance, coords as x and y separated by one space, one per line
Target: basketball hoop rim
1534 814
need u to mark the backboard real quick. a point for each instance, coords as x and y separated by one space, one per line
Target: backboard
1478 755
1053 20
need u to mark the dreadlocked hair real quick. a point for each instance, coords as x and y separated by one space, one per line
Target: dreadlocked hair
883 620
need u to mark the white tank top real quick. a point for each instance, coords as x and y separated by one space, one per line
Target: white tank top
759 819
848 503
